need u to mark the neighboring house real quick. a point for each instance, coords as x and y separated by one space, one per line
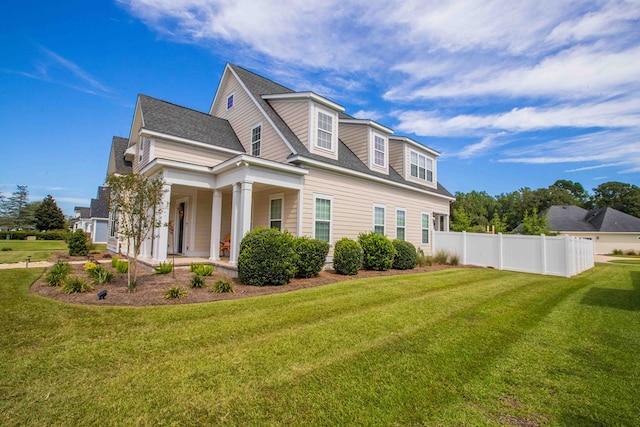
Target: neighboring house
100 216
609 228
267 156
118 165
82 219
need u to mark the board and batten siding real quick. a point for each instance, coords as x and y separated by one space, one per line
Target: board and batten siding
356 138
353 202
188 153
296 116
243 116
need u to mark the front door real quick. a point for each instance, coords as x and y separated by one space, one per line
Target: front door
180 227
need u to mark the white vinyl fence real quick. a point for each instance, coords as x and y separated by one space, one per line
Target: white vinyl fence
558 255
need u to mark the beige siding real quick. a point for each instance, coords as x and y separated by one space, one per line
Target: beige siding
134 139
353 202
188 153
243 116
203 221
396 158
296 116
355 137
605 243
261 208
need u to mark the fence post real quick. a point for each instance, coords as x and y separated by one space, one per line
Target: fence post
567 256
500 252
543 254
464 248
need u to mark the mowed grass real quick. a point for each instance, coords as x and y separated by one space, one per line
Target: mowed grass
455 347
12 251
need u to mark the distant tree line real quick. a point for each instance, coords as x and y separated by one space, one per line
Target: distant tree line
17 213
479 211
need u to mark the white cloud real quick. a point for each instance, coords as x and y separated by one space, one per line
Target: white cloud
368 114
488 143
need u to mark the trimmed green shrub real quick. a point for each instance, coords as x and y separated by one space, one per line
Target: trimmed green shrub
58 273
202 269
101 275
164 268
221 287
267 257
347 257
175 292
406 256
40 235
378 251
76 284
197 281
78 244
312 254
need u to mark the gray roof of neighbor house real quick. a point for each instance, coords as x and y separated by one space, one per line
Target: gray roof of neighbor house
171 119
259 86
607 220
84 212
100 206
118 147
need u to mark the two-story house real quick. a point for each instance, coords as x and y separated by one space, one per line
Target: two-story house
265 155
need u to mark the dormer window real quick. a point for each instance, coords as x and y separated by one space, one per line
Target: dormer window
421 167
378 151
325 131
229 102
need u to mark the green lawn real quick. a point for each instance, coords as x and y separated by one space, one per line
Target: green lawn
455 347
39 250
626 261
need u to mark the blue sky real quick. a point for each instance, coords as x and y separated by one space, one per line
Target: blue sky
513 94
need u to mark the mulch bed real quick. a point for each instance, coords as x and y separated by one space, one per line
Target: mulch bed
151 286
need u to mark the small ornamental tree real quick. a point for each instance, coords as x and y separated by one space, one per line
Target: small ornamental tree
139 203
78 244
49 216
535 224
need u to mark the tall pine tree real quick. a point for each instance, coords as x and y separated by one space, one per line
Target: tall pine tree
49 216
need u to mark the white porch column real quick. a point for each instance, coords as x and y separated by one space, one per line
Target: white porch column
246 209
161 241
235 219
216 218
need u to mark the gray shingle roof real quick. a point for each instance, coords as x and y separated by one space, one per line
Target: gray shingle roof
85 212
172 119
608 220
100 206
259 86
118 147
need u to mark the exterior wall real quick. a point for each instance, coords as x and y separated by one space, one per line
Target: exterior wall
261 208
134 139
203 202
353 201
187 153
243 116
605 243
355 137
396 156
99 234
296 114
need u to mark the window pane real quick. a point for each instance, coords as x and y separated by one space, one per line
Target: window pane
324 139
414 170
400 233
323 209
229 101
421 173
425 236
325 129
322 230
425 221
379 229
425 228
378 216
325 122
379 158
276 209
276 224
400 218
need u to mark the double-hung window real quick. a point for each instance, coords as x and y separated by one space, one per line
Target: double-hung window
322 218
401 222
421 167
256 140
275 212
425 228
378 220
378 150
325 131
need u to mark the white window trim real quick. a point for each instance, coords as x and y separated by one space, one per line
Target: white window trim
258 125
278 196
233 101
313 227
384 218
404 227
429 215
385 150
334 130
426 169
